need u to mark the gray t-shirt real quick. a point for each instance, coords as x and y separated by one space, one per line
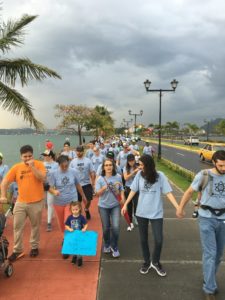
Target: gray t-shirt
108 199
65 183
83 167
150 203
217 199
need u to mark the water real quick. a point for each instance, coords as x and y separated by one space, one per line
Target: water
10 145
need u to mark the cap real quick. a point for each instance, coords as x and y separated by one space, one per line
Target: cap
48 153
130 157
80 149
110 154
125 145
1 155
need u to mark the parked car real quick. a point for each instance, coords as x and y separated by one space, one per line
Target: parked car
192 140
206 152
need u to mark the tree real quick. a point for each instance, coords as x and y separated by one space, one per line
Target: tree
192 128
101 121
22 69
172 127
220 128
73 117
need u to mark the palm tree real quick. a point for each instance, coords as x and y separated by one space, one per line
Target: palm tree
22 69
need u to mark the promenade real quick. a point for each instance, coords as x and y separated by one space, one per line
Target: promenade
103 278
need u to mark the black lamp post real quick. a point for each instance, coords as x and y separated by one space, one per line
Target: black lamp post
127 122
135 118
147 84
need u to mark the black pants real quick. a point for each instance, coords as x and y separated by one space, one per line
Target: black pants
132 205
157 230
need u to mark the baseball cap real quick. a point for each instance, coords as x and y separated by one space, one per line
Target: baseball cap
1 155
48 153
80 149
110 154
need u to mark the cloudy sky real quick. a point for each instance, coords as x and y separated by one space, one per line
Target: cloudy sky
105 49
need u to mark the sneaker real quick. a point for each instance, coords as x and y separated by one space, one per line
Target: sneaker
34 252
106 249
88 215
15 255
65 256
129 228
145 268
195 214
158 268
115 252
49 227
74 260
79 261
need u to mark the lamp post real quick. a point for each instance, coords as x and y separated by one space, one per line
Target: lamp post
147 84
135 118
127 122
207 131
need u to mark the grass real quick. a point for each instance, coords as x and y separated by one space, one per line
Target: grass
176 178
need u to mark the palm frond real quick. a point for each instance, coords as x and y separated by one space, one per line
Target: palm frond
25 69
12 33
14 102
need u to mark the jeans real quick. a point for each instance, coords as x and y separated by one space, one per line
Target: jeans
212 234
157 229
110 218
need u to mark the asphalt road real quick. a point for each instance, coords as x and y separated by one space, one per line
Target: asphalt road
186 159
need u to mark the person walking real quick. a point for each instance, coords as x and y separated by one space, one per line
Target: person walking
3 168
97 158
30 175
86 174
211 220
108 187
150 184
50 165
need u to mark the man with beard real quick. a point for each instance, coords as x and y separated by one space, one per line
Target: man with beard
211 219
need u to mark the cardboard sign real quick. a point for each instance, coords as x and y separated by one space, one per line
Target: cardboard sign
80 243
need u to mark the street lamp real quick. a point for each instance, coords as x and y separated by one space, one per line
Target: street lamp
147 84
127 122
135 118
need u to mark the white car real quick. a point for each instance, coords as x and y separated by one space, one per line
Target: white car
192 140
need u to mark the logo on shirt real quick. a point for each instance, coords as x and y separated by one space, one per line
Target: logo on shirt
65 180
220 187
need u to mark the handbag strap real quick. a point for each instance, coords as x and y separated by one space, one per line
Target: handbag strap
111 190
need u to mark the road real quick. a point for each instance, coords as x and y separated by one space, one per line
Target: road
186 159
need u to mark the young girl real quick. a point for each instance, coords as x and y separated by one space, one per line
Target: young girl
150 184
76 221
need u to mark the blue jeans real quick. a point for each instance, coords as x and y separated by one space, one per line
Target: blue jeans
212 234
110 218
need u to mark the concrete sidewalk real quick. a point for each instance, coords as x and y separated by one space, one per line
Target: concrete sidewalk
181 258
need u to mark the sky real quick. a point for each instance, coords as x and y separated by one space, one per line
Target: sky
105 49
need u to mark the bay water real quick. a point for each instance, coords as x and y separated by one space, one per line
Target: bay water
10 144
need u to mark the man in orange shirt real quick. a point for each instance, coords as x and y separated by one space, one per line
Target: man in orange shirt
29 175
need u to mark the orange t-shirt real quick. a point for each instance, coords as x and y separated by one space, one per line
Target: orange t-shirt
30 189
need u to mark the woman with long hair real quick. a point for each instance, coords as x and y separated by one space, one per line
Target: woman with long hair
129 172
150 184
109 188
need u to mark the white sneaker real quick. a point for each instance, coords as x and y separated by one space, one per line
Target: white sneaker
131 227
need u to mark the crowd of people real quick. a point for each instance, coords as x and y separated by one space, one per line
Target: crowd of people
125 183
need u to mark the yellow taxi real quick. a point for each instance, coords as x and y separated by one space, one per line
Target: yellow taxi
207 151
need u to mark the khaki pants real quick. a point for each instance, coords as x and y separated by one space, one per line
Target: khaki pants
21 211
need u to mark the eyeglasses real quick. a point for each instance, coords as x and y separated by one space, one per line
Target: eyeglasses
108 165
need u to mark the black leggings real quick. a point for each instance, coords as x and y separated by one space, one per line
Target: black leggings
132 205
157 230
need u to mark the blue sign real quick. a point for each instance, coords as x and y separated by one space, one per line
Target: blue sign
80 243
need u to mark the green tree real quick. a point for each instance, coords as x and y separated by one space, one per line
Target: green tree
22 69
172 127
192 128
220 128
73 117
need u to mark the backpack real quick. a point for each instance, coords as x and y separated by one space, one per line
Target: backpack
206 179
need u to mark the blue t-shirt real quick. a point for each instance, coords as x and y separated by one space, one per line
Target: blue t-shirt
217 199
3 170
83 167
50 167
108 199
89 153
76 223
13 189
71 154
66 183
122 158
99 170
147 150
97 161
150 203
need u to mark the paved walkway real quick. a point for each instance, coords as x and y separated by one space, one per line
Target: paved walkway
50 277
